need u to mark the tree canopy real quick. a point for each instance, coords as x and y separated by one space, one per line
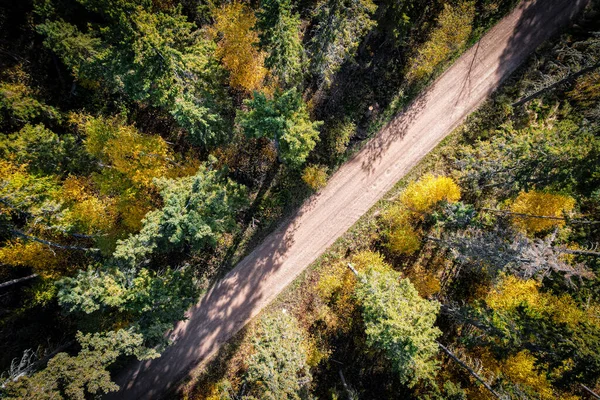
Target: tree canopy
146 53
279 34
285 120
398 322
277 368
196 211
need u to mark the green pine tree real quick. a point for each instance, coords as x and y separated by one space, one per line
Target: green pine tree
277 369
148 54
280 37
285 120
399 323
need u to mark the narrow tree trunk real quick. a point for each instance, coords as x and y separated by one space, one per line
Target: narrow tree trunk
473 373
15 281
51 244
345 385
516 214
352 269
556 84
587 389
579 252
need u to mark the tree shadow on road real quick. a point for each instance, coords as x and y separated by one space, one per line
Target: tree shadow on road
537 18
211 321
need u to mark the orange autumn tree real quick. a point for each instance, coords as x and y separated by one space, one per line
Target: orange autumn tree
237 46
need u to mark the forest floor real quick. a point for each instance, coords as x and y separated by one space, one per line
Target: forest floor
350 193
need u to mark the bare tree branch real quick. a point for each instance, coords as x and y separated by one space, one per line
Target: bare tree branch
15 281
470 370
52 244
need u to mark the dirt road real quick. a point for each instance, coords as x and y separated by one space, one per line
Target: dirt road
363 180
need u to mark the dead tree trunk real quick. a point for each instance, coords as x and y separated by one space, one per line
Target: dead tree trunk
473 373
556 84
15 281
51 244
587 389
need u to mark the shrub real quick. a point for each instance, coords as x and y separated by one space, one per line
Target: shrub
423 195
315 176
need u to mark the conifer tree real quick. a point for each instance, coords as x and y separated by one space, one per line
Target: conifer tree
196 211
150 55
398 322
78 377
285 120
339 27
277 368
279 34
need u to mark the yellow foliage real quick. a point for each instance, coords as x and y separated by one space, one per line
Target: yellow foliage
521 370
334 279
336 287
218 391
397 216
74 188
132 209
90 213
186 166
131 162
404 240
315 176
94 215
512 292
315 352
15 178
31 254
237 46
140 158
369 259
426 283
7 169
422 195
541 204
587 89
455 24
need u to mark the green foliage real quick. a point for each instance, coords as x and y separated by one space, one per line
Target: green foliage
285 120
18 101
22 191
527 326
277 369
196 211
280 36
399 323
76 377
397 19
148 54
151 301
337 138
560 156
339 26
43 151
587 89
